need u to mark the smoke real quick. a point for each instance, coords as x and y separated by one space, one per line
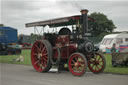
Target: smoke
77 6
70 6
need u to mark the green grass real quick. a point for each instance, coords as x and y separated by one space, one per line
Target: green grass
118 69
9 58
27 61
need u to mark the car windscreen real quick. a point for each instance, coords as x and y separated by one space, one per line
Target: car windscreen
107 41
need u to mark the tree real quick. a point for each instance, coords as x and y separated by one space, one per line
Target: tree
101 24
1 25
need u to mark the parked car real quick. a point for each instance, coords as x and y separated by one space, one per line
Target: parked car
109 40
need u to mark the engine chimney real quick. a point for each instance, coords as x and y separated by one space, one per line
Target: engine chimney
84 21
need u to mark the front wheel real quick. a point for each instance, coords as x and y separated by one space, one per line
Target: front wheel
77 64
97 63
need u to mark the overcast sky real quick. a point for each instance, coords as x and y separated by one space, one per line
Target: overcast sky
15 13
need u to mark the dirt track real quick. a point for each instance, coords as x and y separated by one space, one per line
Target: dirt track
11 74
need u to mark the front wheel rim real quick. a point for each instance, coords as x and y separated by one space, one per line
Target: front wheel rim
77 64
97 63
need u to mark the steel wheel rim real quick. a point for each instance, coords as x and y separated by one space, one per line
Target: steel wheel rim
74 68
39 56
96 64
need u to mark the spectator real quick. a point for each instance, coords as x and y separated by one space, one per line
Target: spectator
113 49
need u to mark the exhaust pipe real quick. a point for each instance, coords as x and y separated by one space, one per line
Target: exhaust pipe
84 20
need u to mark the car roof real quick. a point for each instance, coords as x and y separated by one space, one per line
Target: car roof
119 35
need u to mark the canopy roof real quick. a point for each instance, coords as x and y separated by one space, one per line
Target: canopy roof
65 21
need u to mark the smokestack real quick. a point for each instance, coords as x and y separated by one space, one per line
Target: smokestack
84 21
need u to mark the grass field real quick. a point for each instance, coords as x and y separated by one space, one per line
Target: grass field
10 58
109 68
27 61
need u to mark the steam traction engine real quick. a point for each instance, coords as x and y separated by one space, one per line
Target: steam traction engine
66 47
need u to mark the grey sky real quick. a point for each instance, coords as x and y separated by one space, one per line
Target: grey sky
16 13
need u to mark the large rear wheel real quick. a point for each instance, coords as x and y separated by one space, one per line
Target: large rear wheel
97 63
40 56
77 64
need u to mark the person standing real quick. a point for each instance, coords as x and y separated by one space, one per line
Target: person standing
113 49
113 54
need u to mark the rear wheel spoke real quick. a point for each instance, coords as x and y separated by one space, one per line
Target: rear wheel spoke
38 48
44 59
44 54
43 49
37 62
35 54
45 64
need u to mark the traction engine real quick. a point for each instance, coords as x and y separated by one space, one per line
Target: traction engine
66 47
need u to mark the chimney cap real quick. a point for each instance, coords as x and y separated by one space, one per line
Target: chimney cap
84 11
